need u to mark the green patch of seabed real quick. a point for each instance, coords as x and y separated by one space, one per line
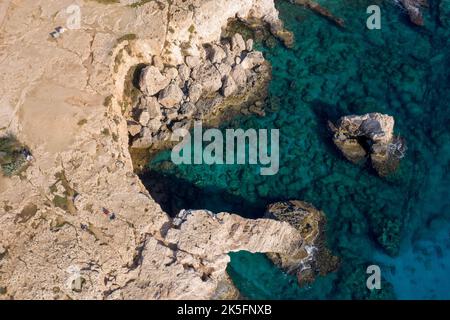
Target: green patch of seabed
400 70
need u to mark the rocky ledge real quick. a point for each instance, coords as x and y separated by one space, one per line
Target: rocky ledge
369 136
197 242
312 257
227 76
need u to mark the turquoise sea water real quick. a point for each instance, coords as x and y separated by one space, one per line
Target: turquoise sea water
401 223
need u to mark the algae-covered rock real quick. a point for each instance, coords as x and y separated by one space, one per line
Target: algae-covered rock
314 258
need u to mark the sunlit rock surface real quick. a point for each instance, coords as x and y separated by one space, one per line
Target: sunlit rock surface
78 223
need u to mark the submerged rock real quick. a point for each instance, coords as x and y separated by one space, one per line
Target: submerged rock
316 7
313 258
370 135
413 8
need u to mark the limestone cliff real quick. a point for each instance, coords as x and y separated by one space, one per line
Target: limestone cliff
77 222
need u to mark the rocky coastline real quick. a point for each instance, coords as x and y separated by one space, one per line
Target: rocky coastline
313 257
77 223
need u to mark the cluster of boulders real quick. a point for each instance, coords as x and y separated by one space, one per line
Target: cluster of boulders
369 136
173 96
313 258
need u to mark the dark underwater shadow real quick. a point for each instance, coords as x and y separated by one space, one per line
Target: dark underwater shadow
174 194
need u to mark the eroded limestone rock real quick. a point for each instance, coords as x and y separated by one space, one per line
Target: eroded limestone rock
370 135
170 96
152 81
226 69
413 8
313 257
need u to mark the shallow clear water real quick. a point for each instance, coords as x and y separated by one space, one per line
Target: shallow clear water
401 223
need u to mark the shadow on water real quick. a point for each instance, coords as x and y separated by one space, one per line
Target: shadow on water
174 194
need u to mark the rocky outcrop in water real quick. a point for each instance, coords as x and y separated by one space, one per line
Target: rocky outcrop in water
312 258
413 9
317 8
369 136
226 75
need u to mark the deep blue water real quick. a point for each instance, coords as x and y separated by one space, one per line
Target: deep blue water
402 222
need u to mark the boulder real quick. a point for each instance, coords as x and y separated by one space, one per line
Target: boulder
187 109
152 81
249 44
223 68
77 284
182 124
216 54
252 59
195 92
413 8
170 96
239 76
237 43
144 118
185 72
369 136
158 62
171 73
208 77
145 139
192 61
155 124
170 114
133 128
230 56
153 107
150 114
229 86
